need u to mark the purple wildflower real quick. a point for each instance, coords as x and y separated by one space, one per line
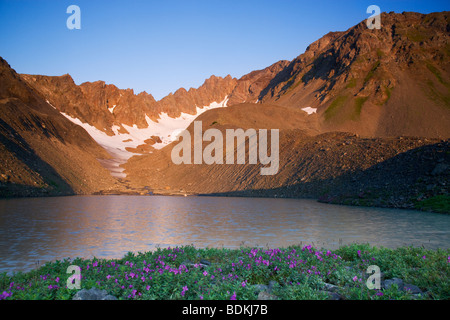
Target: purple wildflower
5 295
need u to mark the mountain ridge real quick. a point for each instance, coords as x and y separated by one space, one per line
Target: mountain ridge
42 153
360 87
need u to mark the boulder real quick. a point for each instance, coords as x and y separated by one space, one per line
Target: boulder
264 295
205 262
93 294
412 288
261 287
415 290
390 282
439 169
333 295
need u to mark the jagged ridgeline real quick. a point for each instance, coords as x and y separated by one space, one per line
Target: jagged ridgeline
341 107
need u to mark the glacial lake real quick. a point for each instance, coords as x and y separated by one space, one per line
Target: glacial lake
36 230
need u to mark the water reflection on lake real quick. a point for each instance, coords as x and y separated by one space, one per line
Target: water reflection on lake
46 229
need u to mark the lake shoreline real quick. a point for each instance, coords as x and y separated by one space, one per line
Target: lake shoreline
371 201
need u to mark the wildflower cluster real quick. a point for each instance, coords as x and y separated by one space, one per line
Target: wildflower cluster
182 273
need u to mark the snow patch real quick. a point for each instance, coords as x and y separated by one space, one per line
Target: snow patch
111 109
166 128
50 104
310 110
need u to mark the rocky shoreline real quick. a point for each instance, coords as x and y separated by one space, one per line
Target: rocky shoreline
417 179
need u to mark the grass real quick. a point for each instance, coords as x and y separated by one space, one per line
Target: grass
436 95
299 273
436 73
359 102
295 85
440 203
351 83
388 93
417 35
333 109
380 53
291 84
371 73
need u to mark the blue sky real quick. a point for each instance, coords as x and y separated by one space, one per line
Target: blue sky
160 46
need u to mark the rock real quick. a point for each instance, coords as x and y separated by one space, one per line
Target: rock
332 291
332 295
261 287
187 263
93 294
271 285
406 287
390 282
439 169
205 262
109 297
264 295
411 288
330 287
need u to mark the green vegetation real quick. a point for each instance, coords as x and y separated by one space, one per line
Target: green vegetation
53 184
446 49
333 109
417 35
291 84
298 272
371 73
436 72
440 203
359 102
388 93
362 58
435 95
380 53
297 84
351 83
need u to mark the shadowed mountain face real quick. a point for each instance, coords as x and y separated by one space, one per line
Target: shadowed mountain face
337 167
362 89
42 152
387 82
340 108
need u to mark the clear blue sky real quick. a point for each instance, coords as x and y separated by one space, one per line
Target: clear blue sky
160 46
